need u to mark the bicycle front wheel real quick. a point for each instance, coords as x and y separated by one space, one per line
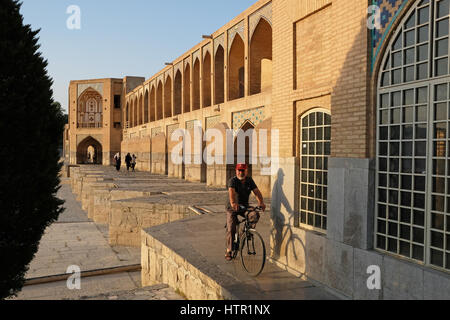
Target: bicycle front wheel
253 253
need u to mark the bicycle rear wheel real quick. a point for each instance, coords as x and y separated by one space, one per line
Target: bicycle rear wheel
253 253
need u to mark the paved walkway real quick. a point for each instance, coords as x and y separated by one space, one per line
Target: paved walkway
74 240
201 241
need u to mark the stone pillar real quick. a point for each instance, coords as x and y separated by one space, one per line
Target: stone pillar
351 200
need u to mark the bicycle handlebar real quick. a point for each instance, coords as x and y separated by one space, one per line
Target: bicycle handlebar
244 209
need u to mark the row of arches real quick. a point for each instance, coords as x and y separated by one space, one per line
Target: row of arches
202 84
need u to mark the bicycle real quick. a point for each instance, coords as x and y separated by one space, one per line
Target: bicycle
249 243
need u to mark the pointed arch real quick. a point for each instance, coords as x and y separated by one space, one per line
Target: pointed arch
140 106
153 104
196 86
135 115
177 93
84 153
168 98
90 109
260 76
127 115
206 80
187 89
146 108
159 101
236 69
219 76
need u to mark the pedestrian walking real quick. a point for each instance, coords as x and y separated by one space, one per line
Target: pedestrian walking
133 162
118 161
128 161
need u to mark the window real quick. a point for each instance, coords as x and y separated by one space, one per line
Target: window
315 137
117 103
413 141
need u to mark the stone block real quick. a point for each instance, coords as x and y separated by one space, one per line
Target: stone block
336 209
315 256
402 280
363 259
338 267
436 285
350 201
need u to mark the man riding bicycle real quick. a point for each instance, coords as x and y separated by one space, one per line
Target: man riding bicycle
239 189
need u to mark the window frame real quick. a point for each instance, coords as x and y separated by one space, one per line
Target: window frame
298 223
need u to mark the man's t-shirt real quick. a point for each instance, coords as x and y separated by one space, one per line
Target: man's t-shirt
243 190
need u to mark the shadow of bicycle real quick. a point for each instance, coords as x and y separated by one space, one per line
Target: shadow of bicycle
286 246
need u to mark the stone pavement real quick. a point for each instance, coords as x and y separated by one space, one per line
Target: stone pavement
123 286
203 273
74 240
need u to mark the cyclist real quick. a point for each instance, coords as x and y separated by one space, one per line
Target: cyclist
239 189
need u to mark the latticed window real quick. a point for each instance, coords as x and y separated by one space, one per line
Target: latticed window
315 137
413 141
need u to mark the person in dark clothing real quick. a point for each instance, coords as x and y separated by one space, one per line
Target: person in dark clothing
133 162
239 189
128 161
118 161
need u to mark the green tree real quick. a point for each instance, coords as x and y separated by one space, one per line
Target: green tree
30 128
63 118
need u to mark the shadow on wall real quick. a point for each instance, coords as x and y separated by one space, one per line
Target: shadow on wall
285 243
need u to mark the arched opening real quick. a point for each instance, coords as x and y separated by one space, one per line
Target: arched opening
242 149
168 98
135 116
413 171
219 76
127 116
89 151
159 101
187 89
236 69
206 80
140 108
177 94
132 113
90 109
152 104
196 91
261 58
146 107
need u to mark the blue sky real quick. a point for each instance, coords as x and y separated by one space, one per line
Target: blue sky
119 38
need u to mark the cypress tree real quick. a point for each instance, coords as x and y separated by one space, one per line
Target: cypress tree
30 129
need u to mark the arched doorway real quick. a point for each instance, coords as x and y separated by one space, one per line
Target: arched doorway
242 149
413 167
90 151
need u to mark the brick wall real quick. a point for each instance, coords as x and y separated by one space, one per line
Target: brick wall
320 48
